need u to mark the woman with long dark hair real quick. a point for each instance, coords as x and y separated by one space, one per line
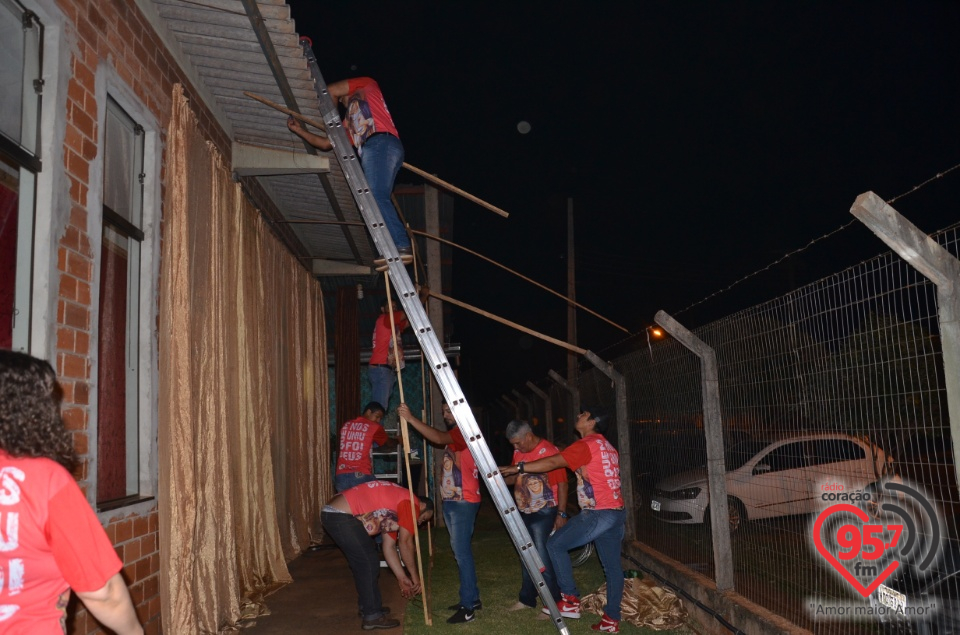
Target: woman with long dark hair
50 539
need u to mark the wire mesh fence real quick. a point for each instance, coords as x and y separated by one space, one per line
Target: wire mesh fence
835 387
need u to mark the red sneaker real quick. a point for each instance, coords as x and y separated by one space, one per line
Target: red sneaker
569 606
607 625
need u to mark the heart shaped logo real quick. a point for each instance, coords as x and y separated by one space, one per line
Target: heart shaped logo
853 537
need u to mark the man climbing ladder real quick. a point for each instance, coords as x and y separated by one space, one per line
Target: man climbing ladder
377 142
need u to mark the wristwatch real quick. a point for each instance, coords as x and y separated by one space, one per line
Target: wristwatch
519 467
563 514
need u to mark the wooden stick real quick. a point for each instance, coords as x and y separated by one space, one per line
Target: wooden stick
456 190
405 434
437 181
320 222
287 111
520 275
496 318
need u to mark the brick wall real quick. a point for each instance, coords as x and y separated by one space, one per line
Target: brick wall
115 32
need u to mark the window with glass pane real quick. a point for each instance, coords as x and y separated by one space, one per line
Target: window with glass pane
21 36
118 431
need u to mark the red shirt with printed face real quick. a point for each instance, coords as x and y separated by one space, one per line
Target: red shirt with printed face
50 542
367 112
534 492
382 507
597 465
459 478
357 439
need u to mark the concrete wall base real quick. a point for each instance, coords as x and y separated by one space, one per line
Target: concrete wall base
743 614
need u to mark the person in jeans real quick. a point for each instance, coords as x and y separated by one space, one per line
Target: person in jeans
460 492
382 368
601 519
358 437
541 499
372 132
370 509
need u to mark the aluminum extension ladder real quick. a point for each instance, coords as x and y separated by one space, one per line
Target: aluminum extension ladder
432 350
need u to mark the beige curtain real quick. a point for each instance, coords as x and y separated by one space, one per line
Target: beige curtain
243 400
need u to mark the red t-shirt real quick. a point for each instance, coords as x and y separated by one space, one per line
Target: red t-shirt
367 112
357 438
534 492
382 507
459 479
50 541
597 465
381 337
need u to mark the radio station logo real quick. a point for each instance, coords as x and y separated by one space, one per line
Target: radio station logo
867 535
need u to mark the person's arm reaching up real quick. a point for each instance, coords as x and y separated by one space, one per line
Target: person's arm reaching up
431 434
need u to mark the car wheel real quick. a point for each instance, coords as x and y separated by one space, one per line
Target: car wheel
736 514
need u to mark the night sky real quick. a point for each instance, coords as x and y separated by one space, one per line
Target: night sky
699 141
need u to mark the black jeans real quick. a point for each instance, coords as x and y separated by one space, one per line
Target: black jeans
362 556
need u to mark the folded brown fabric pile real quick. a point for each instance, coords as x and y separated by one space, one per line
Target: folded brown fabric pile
644 604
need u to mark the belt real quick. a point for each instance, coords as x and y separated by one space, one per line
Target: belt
380 365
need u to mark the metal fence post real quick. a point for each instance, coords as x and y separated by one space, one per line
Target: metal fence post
623 440
526 402
713 432
513 404
547 408
936 263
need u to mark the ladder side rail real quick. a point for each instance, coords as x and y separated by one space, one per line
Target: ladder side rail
430 344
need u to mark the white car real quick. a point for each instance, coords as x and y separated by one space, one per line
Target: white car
768 479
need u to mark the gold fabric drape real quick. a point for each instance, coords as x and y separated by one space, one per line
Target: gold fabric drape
243 397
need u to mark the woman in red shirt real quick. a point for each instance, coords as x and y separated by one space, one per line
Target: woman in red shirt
53 542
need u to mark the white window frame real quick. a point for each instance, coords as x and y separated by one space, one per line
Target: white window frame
142 298
27 157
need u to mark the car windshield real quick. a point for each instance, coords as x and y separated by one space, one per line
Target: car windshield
742 452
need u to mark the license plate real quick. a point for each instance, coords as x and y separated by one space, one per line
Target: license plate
655 505
892 599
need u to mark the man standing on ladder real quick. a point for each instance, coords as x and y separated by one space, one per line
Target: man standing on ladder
372 132
601 519
460 491
382 368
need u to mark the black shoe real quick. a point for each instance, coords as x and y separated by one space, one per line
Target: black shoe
383 609
381 622
458 606
462 616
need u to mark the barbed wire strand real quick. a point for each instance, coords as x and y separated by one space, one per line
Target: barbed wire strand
793 253
790 254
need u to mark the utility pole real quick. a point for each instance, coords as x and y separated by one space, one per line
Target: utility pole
572 296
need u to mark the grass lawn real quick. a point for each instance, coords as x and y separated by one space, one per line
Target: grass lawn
498 573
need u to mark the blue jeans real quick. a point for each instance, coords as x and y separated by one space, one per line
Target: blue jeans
539 524
362 556
459 517
351 479
382 379
381 159
604 527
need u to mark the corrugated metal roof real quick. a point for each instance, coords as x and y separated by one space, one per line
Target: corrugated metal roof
219 39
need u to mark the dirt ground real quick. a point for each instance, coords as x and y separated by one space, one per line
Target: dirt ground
322 598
